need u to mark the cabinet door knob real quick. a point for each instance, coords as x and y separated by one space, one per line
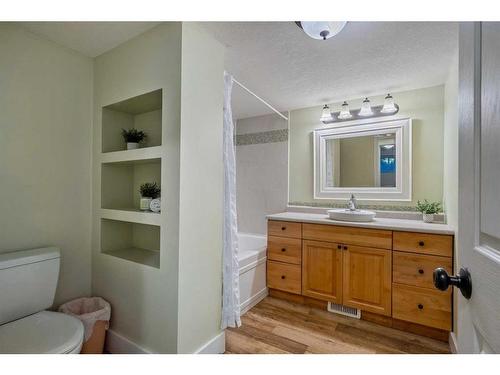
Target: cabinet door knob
339 247
421 243
420 306
283 228
421 271
282 277
283 249
345 247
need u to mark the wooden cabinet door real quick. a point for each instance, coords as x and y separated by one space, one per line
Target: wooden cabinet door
322 270
367 279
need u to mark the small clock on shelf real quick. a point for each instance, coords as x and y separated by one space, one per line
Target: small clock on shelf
155 205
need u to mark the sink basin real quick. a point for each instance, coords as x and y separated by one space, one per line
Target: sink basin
345 214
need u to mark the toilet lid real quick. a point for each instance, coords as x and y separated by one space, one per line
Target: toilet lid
44 333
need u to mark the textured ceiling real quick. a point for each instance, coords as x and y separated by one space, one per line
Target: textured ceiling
89 38
290 70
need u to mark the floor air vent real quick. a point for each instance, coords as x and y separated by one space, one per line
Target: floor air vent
344 310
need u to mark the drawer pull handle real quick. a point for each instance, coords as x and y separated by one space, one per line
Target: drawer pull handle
283 228
282 277
283 249
420 306
421 271
421 243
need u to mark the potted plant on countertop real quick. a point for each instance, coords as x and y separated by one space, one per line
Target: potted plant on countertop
133 137
428 209
149 191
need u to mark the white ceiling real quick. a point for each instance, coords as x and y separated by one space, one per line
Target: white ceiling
284 66
89 38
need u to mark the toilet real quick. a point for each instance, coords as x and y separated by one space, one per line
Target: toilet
28 281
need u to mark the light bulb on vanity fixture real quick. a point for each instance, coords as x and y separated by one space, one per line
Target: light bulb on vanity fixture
326 115
345 113
366 108
389 105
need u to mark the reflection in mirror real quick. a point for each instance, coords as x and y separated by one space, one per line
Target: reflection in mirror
361 161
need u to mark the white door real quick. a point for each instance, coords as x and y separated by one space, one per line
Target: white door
478 246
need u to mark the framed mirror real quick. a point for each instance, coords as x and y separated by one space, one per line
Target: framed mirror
368 158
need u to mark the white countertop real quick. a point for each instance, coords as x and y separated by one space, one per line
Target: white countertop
377 223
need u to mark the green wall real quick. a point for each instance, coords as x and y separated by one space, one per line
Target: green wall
426 109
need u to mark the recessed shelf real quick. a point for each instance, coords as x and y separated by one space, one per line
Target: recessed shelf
120 182
139 243
132 215
132 155
142 112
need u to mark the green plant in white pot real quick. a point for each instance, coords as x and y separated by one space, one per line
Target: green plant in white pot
133 137
428 209
149 191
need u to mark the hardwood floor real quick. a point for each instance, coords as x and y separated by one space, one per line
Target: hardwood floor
278 326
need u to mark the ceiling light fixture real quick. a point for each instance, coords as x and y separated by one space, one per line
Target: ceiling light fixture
389 105
326 115
366 108
321 30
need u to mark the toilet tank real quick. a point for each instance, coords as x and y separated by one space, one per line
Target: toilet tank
28 281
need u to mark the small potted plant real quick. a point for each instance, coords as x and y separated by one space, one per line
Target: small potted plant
133 137
149 191
428 209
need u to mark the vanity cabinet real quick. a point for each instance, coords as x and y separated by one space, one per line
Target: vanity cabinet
367 279
381 272
322 270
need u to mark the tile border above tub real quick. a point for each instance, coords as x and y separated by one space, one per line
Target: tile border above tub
271 136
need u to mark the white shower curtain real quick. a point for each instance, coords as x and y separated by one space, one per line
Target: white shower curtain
230 277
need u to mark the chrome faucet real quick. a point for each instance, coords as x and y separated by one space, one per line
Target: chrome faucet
352 204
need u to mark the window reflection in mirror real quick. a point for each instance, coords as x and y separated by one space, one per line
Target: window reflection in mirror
361 161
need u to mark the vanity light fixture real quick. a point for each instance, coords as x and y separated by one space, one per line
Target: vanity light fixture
326 115
344 112
321 30
366 108
389 106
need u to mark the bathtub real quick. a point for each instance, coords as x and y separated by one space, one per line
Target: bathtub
252 265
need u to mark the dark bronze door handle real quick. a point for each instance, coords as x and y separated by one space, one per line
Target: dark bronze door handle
463 281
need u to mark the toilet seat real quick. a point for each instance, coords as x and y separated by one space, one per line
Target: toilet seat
45 332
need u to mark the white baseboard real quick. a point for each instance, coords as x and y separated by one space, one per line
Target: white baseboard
117 344
251 302
452 340
217 345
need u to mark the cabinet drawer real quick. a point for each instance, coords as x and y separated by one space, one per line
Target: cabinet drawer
417 269
423 243
282 249
283 276
422 306
284 229
348 235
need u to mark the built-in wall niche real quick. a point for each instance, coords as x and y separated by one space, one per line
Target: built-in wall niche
143 112
120 182
139 243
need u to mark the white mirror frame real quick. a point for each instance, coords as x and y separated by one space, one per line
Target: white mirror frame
403 131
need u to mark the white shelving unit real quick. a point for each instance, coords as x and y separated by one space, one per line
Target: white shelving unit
127 232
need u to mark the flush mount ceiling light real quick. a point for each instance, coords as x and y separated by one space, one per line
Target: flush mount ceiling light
326 115
366 108
321 30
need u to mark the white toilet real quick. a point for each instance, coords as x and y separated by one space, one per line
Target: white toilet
28 281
